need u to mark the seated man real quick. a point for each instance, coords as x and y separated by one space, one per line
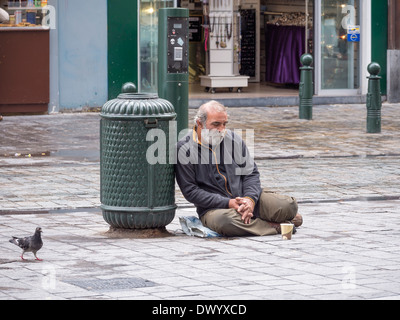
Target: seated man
215 172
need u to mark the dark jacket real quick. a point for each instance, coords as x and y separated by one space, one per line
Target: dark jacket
210 178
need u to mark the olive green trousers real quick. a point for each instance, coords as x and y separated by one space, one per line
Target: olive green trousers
273 208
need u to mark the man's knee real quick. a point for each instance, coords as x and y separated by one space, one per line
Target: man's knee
291 208
221 221
276 207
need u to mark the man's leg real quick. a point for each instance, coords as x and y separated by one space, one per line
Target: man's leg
228 222
277 208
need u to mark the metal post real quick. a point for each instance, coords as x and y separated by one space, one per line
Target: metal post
306 34
306 87
374 101
173 61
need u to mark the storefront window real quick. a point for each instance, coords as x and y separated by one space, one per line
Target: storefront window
148 41
22 13
340 50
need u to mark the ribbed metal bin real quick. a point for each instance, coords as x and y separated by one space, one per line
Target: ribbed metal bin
134 193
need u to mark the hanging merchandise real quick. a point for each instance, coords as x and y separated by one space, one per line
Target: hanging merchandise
237 47
222 67
206 11
228 29
216 29
206 23
223 34
289 19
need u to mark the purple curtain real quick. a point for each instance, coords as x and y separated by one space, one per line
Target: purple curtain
284 46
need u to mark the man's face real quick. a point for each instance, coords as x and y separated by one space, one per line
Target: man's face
214 131
216 120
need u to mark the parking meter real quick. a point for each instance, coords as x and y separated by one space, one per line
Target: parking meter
173 61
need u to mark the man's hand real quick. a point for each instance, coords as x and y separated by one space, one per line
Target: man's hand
244 206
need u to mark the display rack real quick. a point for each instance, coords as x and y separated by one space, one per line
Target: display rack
26 13
223 38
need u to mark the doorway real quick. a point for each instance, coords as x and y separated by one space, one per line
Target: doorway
287 34
339 53
284 32
342 46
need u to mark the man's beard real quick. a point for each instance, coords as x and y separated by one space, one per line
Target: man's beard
212 137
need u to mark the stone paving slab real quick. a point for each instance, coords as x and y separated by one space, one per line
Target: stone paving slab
345 250
39 186
346 181
77 185
338 130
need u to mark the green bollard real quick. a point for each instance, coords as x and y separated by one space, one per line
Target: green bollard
374 101
306 87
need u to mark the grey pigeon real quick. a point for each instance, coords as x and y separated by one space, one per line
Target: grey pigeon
29 244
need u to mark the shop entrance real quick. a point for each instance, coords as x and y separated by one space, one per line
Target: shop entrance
266 39
338 47
273 34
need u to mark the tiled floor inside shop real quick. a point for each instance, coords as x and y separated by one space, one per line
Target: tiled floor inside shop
254 90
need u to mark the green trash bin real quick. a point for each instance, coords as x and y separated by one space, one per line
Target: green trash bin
135 194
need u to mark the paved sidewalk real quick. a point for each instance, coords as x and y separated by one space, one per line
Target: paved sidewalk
346 181
344 251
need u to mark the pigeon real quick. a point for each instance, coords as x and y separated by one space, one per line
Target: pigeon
29 244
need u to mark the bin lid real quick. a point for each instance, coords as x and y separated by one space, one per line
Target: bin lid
130 105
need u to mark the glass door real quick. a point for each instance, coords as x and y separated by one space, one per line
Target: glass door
338 50
148 43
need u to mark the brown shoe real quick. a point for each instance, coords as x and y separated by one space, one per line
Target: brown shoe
298 220
277 226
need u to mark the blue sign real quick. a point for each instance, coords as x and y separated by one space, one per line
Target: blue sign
353 37
353 34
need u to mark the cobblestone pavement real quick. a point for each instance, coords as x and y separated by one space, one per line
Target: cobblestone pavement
346 181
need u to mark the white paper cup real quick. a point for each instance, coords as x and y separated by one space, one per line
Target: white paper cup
286 231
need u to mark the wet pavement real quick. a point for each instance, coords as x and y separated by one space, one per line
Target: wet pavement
346 181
